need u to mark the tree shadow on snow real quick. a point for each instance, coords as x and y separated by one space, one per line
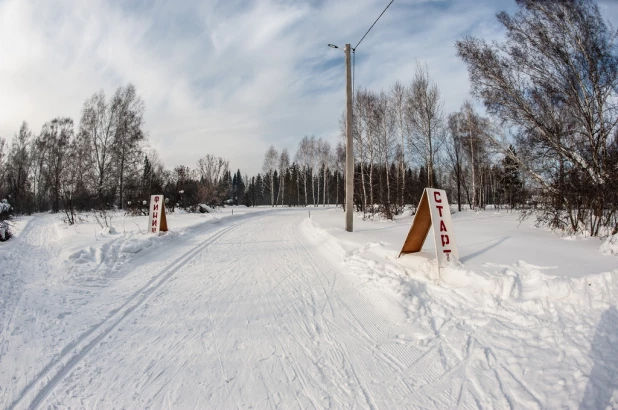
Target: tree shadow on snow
482 251
604 375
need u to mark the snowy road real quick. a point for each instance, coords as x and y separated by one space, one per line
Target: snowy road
253 314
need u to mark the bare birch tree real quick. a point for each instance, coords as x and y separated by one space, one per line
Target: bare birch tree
398 97
425 110
58 134
303 159
284 164
271 159
128 135
554 80
98 128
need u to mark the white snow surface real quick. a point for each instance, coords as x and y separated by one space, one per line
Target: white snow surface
268 308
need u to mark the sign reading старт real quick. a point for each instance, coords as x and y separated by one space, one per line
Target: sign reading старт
433 210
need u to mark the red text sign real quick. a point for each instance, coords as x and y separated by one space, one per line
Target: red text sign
157 221
433 212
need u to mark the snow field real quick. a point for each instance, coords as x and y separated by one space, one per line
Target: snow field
270 309
51 300
532 336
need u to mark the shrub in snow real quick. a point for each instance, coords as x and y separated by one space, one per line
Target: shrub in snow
137 208
5 216
610 246
109 230
202 208
5 208
205 209
103 218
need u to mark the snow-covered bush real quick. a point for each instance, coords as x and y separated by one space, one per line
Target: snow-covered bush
5 216
610 246
205 209
103 217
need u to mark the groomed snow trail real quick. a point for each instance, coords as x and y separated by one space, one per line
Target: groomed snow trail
258 316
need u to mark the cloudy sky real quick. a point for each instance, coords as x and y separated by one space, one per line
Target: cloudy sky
228 77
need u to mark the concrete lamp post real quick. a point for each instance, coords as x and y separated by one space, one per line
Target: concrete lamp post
349 151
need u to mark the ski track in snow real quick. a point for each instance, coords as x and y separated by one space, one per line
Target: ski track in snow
45 381
256 315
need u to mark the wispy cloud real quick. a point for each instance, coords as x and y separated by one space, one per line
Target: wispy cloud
226 77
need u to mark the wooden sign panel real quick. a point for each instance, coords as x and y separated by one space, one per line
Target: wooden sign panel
156 220
433 210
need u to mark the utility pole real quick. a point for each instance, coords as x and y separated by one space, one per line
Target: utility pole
349 151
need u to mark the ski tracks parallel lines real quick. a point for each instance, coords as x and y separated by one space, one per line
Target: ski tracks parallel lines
365 390
71 355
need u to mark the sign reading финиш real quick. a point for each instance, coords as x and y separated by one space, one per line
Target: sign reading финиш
156 220
433 210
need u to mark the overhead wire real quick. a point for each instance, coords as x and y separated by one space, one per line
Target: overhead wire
374 23
354 50
353 75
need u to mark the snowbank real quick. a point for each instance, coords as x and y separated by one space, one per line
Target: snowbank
525 282
91 253
530 315
85 252
495 275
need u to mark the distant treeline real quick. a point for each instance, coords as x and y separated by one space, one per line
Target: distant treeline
549 142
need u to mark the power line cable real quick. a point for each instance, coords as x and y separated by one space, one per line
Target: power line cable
374 23
353 75
354 50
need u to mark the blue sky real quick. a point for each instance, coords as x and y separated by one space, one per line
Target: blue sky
232 77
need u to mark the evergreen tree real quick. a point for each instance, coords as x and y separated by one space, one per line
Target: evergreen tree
239 187
511 181
146 178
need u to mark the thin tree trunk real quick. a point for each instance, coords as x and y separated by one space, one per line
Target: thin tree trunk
305 181
324 190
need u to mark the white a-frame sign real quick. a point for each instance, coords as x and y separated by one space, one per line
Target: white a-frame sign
433 210
156 220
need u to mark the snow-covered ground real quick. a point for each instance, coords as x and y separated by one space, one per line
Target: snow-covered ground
268 308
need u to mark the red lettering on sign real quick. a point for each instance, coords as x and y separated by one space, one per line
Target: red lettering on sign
442 226
440 209
436 196
154 222
448 254
154 229
156 199
445 240
155 215
156 207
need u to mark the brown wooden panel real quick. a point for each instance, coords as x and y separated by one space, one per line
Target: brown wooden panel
163 218
420 228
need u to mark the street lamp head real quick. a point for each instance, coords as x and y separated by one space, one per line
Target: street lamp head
332 46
